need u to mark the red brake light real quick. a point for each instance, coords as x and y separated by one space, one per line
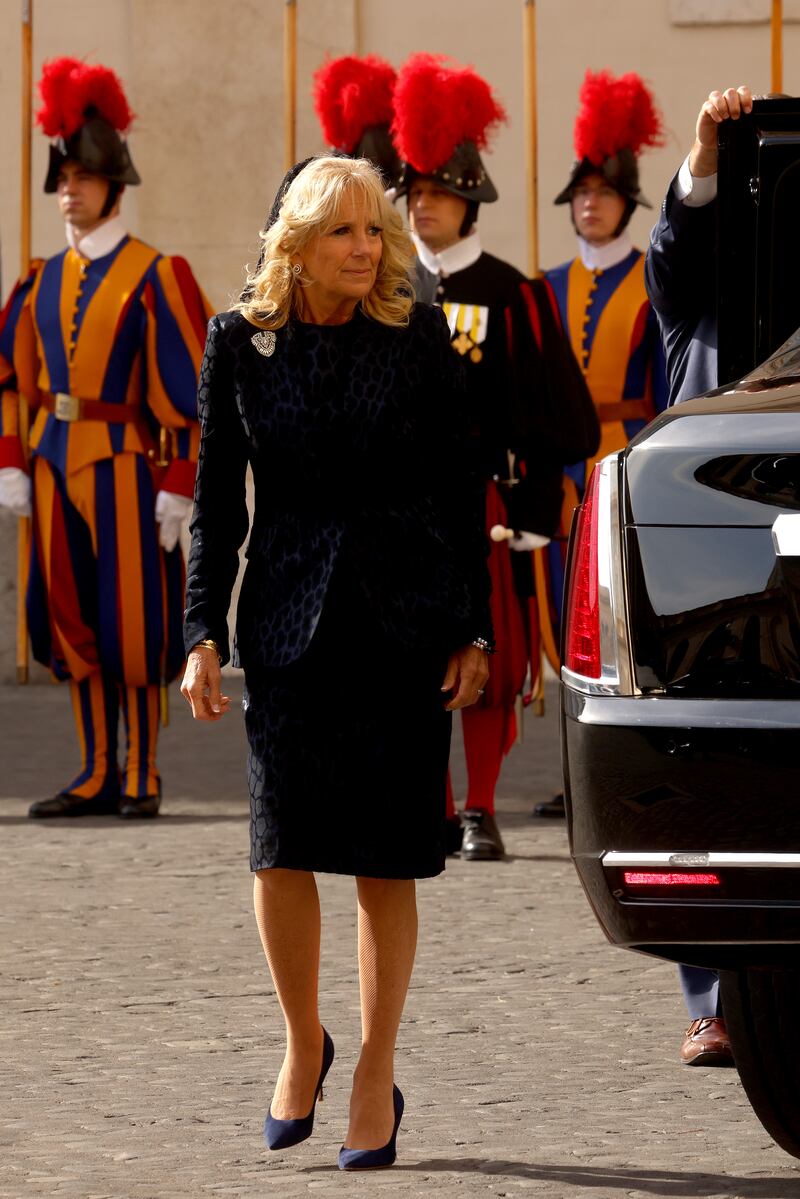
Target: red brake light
582 642
671 878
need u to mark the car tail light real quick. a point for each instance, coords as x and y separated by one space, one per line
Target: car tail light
582 642
597 656
671 878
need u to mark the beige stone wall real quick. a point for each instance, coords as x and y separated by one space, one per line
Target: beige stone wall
80 27
206 82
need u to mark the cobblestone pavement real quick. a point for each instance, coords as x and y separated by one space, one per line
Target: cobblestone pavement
140 1034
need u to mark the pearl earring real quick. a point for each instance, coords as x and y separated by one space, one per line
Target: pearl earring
296 269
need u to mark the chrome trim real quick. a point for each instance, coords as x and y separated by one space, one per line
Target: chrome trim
608 665
619 590
606 709
604 686
750 860
786 535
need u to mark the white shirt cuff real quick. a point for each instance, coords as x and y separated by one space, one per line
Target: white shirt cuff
691 191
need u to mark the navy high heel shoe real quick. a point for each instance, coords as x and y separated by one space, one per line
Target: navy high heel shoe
375 1159
282 1134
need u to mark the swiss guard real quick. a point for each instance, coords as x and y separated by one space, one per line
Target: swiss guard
530 408
603 303
102 345
353 100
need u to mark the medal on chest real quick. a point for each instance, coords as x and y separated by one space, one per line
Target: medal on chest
468 326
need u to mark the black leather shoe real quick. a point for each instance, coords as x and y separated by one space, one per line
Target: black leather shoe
482 841
552 808
453 835
139 809
66 804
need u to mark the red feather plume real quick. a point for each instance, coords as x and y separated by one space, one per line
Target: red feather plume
350 94
437 105
615 114
69 87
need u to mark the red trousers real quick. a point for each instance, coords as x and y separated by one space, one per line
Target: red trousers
491 726
488 736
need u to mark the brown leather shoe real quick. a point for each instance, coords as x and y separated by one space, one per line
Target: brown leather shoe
706 1043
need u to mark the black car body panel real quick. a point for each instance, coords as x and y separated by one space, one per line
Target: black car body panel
758 304
690 774
706 783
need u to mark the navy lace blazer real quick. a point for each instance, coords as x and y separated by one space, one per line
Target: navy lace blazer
358 439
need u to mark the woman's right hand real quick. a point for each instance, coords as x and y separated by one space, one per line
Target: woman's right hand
201 685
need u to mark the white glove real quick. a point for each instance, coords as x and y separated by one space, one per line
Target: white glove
528 541
15 490
171 512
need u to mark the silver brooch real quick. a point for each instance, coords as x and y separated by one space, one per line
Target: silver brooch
264 342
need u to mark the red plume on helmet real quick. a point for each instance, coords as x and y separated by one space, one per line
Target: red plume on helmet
350 95
615 114
438 105
617 119
70 89
85 112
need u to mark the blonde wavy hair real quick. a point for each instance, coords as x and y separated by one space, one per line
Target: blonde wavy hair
310 208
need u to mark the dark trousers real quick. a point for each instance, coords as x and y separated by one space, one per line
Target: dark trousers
700 991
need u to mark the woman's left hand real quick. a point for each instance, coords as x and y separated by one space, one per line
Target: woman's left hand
467 675
201 685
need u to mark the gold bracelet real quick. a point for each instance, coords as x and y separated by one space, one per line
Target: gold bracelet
208 644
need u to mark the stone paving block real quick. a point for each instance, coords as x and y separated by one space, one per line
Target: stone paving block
140 1033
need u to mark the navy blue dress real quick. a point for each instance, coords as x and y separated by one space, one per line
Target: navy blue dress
367 568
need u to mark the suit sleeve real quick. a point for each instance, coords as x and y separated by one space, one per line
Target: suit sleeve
220 522
659 386
19 370
680 277
679 271
177 313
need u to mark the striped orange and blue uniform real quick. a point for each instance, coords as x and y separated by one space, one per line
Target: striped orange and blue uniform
614 335
104 600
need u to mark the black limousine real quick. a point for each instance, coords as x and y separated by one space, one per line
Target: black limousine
680 701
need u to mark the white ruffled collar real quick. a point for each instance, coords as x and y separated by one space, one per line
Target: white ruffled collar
455 258
601 258
100 241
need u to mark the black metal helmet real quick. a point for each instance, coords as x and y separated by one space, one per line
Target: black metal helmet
85 111
617 119
443 116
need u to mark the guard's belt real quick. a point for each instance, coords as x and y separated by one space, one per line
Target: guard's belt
70 408
625 410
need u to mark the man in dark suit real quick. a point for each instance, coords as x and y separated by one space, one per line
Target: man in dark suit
680 273
680 278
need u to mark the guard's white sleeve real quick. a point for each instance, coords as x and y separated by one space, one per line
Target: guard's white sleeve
15 490
528 541
171 511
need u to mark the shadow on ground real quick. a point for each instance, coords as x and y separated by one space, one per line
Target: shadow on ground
672 1184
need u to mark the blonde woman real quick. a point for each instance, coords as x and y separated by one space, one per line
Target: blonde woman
363 619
